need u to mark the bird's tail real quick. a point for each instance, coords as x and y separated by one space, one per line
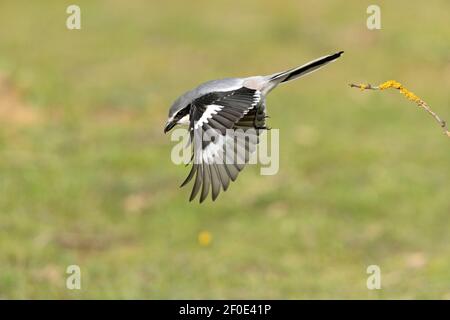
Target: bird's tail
301 71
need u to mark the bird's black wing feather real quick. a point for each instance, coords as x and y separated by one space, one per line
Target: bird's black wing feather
223 136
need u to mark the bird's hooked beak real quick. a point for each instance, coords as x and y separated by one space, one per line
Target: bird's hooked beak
169 125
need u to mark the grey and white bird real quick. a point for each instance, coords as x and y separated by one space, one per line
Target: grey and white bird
225 106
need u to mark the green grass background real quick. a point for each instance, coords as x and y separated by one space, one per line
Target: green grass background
364 176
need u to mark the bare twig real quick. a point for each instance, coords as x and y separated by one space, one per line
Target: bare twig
408 94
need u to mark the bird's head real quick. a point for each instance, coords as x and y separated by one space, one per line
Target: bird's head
178 114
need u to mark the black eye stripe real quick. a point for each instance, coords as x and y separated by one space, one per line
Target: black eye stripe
183 112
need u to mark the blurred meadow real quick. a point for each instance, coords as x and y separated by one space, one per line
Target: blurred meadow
86 176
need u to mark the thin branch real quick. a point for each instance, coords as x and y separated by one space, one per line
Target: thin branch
408 94
363 86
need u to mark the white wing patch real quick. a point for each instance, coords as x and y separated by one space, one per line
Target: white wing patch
209 112
256 98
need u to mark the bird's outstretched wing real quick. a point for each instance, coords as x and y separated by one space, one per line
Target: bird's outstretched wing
224 131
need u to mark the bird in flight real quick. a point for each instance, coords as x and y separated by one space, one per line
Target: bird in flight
225 118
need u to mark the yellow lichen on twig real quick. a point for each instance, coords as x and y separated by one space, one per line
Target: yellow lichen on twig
408 94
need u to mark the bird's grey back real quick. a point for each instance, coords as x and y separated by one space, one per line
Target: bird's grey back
219 85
